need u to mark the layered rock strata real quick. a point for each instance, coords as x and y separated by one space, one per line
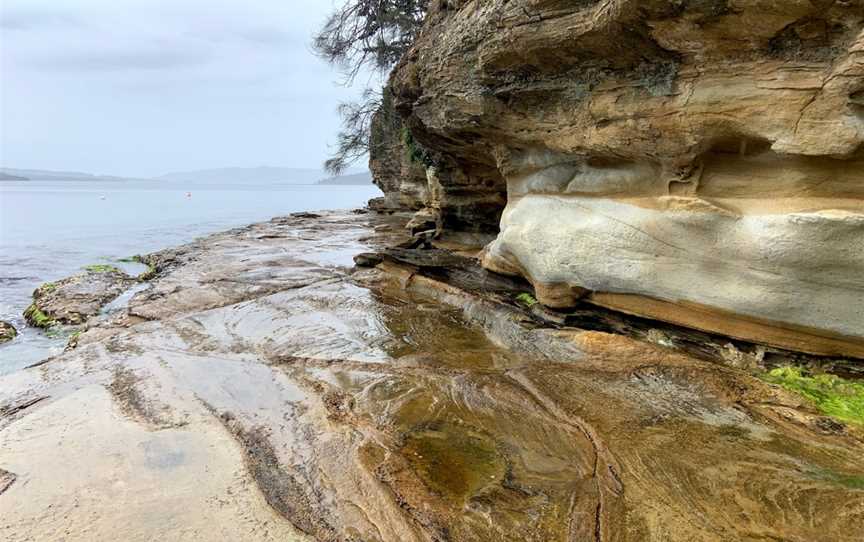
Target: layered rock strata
395 169
699 162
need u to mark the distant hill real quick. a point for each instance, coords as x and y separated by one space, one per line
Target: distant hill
247 175
237 175
7 177
43 174
356 178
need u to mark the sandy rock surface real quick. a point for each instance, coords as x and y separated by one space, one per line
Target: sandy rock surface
264 389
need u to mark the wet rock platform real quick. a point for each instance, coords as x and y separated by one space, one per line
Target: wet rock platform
265 388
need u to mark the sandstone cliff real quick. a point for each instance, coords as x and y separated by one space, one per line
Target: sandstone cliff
695 161
398 172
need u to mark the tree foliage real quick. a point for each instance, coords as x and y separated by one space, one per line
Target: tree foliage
371 35
353 140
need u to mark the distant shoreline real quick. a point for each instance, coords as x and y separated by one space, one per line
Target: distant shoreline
357 179
223 175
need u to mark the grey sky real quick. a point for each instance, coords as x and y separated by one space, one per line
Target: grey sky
142 87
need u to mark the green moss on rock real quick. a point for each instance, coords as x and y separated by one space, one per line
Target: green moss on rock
37 318
7 332
526 299
832 395
415 152
149 274
849 481
144 276
102 268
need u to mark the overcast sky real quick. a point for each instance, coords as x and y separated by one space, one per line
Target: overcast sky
143 87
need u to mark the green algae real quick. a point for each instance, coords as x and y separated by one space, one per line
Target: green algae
832 395
33 314
842 479
102 268
848 481
144 276
526 299
37 318
48 287
7 332
149 274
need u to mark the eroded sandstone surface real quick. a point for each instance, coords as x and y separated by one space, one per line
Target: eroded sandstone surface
699 162
264 389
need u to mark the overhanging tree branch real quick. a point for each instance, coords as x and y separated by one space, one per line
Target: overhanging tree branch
371 34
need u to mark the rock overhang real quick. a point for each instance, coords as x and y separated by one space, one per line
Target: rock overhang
696 155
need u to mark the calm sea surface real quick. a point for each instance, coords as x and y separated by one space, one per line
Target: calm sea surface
51 229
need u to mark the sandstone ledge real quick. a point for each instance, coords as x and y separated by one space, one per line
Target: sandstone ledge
704 154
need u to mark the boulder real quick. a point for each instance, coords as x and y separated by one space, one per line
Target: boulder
75 299
7 332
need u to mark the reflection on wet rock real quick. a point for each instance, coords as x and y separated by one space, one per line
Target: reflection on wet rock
305 400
